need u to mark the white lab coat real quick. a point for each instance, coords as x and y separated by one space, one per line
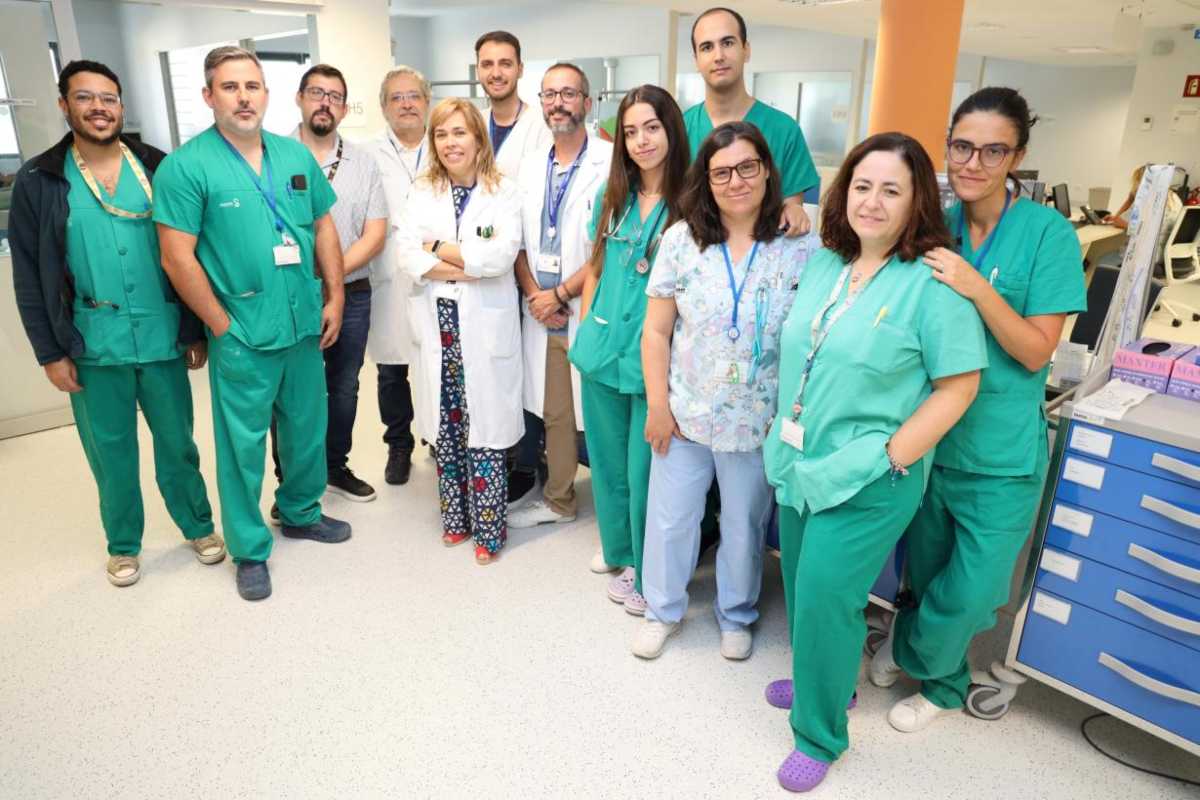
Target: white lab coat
529 135
575 217
389 340
488 317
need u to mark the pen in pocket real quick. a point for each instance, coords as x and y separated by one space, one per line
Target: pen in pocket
992 279
879 317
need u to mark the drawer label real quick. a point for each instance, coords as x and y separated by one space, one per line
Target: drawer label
1052 607
1092 442
1060 564
1077 522
1083 473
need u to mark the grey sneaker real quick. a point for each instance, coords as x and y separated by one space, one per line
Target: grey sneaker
253 580
326 529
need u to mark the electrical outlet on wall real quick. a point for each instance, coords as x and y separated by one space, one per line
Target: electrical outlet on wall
1147 122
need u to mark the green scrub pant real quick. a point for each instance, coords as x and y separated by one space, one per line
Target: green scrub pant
962 547
106 419
248 385
615 426
830 562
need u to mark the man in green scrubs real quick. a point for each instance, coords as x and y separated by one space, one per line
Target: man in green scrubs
240 213
102 318
721 52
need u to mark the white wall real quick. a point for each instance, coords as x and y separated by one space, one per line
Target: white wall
1157 90
100 34
1082 110
410 42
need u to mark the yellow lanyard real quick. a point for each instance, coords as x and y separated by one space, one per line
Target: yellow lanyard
138 173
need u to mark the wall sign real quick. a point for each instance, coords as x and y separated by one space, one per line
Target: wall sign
1191 87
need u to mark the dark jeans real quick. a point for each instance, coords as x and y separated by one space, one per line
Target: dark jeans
395 407
342 364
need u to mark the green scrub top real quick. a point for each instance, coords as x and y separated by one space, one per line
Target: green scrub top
783 136
205 188
124 308
608 343
875 368
1036 266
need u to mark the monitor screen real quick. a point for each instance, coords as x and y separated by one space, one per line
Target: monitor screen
1034 190
1189 226
1025 174
1062 200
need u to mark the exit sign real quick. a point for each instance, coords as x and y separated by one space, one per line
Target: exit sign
1191 87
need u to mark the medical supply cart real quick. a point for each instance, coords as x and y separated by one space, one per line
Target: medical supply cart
1113 614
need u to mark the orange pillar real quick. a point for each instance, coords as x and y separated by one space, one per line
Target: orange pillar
915 58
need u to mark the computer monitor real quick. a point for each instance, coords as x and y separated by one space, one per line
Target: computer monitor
1034 190
1062 200
1025 174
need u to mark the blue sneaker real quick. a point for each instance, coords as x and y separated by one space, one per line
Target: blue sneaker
327 529
253 580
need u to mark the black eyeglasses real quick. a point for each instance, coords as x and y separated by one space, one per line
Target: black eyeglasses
746 170
568 94
317 94
990 155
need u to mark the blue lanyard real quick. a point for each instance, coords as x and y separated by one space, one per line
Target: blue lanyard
492 127
553 206
268 193
458 212
987 243
735 289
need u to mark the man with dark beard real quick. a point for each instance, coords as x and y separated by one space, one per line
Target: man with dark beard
102 317
361 218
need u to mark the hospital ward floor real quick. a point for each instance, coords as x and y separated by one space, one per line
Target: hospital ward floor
391 666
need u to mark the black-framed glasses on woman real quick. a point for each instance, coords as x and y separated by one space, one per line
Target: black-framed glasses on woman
746 170
317 95
990 155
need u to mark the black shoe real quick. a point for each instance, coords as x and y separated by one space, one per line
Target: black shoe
326 529
399 467
253 580
275 518
520 488
348 485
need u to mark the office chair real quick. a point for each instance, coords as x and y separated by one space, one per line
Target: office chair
1181 263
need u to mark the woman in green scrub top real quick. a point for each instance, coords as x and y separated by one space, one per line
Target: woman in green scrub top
639 201
1019 264
879 360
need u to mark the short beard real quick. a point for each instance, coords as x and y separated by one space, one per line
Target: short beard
500 98
565 127
77 127
321 128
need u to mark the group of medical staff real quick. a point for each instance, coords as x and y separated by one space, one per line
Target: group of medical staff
664 292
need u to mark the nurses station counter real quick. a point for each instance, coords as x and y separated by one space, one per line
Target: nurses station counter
1113 618
28 402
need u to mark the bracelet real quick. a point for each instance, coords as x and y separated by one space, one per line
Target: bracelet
436 244
559 297
898 469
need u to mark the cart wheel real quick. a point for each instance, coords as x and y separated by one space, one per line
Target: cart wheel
981 703
875 639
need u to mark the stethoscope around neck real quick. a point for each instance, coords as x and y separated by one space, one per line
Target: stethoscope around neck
612 234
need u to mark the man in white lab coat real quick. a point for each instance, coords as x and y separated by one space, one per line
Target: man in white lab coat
515 128
401 153
558 188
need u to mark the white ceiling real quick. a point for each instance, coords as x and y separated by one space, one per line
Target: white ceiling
1023 30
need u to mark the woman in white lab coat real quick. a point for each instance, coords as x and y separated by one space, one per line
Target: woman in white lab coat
460 234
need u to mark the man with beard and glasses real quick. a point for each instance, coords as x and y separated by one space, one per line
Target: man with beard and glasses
558 186
102 318
515 129
361 218
242 215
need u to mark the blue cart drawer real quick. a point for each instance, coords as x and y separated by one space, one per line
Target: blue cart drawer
1167 560
1170 614
1143 455
1123 493
1146 675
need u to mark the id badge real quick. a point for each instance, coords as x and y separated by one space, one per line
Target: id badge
732 371
792 432
286 254
549 264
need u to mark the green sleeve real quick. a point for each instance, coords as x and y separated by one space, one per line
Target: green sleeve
1056 279
179 195
322 196
597 207
795 163
951 332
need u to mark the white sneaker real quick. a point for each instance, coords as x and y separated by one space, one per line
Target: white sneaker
736 645
651 638
883 670
535 514
620 587
599 566
534 492
914 713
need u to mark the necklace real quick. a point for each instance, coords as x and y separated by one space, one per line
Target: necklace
649 194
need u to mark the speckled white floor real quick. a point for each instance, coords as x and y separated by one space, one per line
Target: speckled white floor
389 666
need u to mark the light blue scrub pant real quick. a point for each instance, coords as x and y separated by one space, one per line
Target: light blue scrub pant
679 482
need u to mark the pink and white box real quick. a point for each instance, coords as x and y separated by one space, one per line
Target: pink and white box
1185 377
1148 362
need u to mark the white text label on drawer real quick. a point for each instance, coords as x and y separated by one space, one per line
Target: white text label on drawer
1052 607
1060 564
1083 473
1069 519
1092 442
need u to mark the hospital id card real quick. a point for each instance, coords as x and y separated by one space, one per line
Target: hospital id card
549 264
792 432
732 371
286 254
